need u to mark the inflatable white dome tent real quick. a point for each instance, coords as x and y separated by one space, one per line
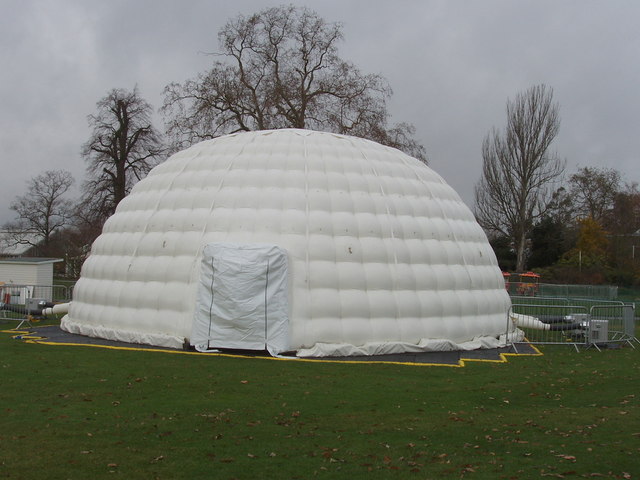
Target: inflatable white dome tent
292 240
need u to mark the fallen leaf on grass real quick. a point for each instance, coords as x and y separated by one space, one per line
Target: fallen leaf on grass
328 452
567 457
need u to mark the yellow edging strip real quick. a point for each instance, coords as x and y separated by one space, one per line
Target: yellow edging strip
28 338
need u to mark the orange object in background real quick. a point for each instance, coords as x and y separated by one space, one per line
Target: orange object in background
528 284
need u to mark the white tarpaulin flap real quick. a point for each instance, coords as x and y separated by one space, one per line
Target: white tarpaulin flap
241 300
386 348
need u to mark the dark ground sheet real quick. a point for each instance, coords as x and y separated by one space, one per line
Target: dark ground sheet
54 335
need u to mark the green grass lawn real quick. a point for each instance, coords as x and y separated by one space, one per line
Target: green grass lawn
82 412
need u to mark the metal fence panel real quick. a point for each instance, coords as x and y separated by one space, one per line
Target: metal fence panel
617 320
607 292
539 300
23 303
588 324
549 324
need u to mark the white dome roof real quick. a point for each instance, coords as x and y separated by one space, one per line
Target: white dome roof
380 251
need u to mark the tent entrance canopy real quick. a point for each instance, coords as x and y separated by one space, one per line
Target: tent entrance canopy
241 300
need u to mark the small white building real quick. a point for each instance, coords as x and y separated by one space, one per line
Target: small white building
23 271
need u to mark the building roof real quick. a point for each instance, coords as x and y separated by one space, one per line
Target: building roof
29 260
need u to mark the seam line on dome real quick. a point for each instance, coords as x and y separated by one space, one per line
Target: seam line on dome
385 200
307 245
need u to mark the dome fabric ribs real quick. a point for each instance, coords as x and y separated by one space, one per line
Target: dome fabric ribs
328 244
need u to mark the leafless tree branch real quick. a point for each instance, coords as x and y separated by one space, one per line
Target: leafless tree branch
280 68
519 175
123 147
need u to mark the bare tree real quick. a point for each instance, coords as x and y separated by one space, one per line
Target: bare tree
593 192
42 211
280 68
123 147
519 174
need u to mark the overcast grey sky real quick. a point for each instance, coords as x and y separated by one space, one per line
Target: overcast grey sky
452 65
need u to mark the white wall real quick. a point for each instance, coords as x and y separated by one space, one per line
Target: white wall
12 273
19 274
44 274
26 273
